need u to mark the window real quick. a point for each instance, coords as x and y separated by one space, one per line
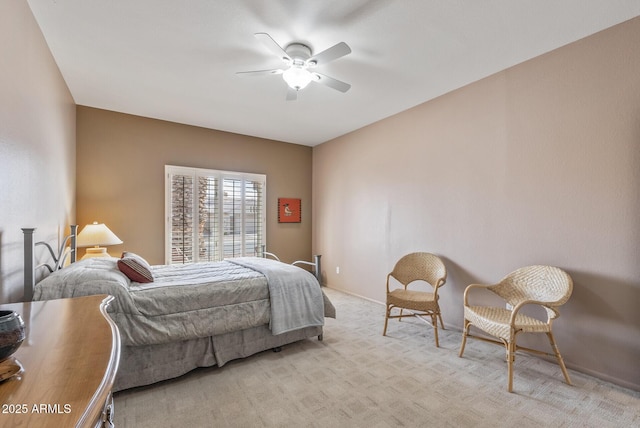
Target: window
212 215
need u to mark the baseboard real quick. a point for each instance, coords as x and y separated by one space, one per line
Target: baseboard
604 377
356 295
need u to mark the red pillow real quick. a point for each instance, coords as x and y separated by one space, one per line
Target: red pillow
135 267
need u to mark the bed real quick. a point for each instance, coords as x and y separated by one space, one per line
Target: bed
187 316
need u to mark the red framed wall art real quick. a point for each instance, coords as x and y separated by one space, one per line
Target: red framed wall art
289 210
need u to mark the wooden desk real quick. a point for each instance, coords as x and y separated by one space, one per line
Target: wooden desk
70 357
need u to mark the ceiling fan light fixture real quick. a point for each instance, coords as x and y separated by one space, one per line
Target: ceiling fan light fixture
297 77
298 61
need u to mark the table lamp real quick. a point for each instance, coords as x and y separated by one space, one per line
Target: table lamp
93 236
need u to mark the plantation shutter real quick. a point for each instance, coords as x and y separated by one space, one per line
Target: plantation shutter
253 224
208 213
243 225
213 215
182 218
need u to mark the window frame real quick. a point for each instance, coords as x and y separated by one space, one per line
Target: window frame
221 175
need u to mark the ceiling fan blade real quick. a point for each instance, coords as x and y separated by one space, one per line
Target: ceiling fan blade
327 55
292 94
331 82
259 72
274 47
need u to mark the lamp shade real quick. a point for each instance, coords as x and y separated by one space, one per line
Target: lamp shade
97 234
297 77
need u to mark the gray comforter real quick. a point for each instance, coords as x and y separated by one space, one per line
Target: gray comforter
295 295
197 300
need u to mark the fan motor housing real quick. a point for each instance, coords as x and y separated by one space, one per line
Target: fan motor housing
298 51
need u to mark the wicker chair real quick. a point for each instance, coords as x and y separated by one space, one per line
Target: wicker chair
413 267
545 286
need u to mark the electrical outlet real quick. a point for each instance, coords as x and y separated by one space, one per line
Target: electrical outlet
338 269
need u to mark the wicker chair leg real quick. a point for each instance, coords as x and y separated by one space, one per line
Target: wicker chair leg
386 320
441 323
434 321
465 332
511 356
556 351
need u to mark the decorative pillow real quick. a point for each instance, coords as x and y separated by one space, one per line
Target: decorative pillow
135 267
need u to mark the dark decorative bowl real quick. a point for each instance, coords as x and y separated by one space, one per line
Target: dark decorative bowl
11 333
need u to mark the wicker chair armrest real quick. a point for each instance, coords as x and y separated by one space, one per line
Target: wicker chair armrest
471 286
519 306
388 276
436 287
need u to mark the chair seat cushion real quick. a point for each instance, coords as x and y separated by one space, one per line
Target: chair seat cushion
412 299
495 321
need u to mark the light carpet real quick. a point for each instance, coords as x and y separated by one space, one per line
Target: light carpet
356 377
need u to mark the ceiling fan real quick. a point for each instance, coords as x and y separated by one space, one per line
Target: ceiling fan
300 62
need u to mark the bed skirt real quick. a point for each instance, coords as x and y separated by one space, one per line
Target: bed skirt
144 365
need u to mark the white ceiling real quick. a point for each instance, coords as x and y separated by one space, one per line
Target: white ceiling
176 59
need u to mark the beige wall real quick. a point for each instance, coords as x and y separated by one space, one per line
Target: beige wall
538 164
37 144
120 174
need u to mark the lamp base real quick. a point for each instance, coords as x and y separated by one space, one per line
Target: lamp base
95 252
